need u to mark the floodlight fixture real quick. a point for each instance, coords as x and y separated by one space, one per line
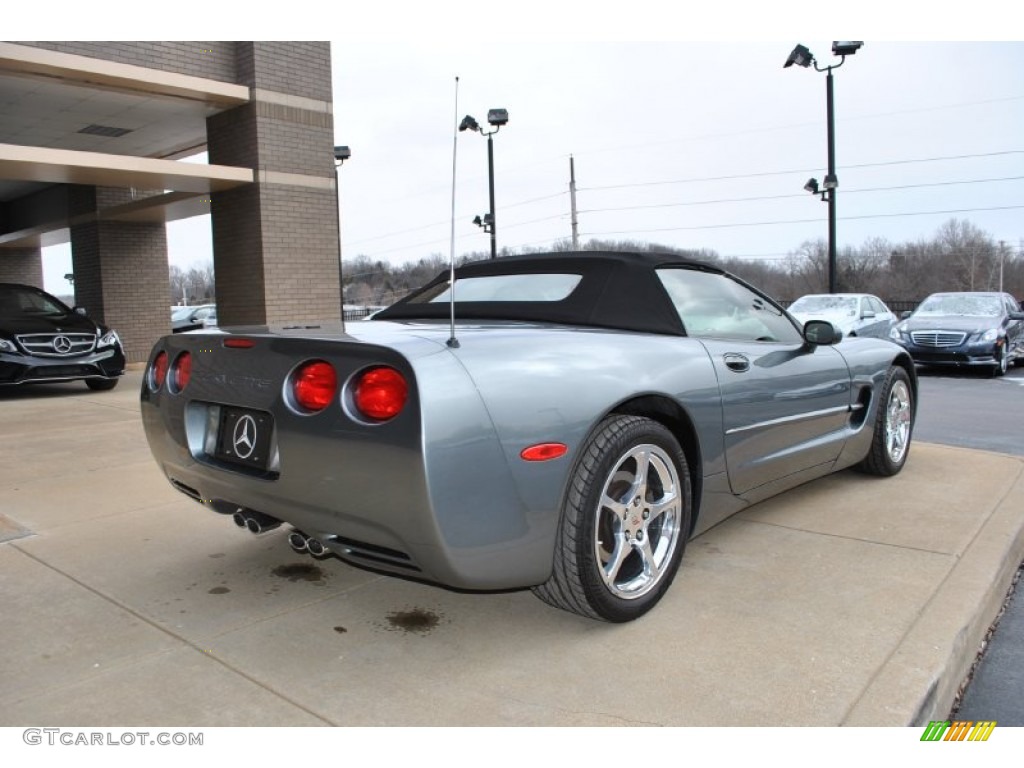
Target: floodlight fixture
846 47
800 56
497 117
469 123
830 181
811 186
341 154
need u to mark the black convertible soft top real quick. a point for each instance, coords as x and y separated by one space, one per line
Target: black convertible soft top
616 290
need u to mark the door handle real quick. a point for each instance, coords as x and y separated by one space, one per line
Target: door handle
736 362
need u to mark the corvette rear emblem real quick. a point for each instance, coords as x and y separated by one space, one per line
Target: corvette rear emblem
244 437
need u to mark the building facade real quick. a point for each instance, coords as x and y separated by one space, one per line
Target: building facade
92 141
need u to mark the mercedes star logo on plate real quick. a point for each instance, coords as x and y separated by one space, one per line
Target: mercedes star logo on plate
244 437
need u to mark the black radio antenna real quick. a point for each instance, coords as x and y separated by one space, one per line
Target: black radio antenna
452 341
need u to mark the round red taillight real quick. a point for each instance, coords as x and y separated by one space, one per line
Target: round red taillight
181 371
380 393
314 385
159 371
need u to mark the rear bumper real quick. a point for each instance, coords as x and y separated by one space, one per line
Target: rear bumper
424 496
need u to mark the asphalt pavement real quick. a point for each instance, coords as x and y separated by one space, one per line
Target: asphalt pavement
965 408
849 601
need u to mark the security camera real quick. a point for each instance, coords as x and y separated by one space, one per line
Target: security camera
800 56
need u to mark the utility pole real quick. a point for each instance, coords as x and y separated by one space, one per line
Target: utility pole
572 202
1002 258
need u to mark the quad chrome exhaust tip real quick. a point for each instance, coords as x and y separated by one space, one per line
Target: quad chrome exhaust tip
256 522
316 548
297 541
307 545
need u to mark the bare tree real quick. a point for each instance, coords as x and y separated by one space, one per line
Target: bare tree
193 287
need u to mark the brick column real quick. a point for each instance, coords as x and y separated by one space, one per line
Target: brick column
275 242
21 265
121 274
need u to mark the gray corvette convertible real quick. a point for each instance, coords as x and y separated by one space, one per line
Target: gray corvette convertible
567 423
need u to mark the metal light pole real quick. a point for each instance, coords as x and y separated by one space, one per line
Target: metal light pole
830 111
341 154
802 57
497 118
490 189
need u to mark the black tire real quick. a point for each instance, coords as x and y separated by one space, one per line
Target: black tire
616 564
1002 363
101 385
894 426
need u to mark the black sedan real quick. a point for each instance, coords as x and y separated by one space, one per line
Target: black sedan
42 339
966 329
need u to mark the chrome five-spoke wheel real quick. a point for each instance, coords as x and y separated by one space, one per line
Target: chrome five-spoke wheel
625 521
638 520
893 425
897 421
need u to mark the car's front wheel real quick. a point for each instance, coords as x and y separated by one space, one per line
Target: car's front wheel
625 521
1002 365
894 426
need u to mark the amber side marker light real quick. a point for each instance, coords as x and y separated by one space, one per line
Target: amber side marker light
381 393
544 452
314 385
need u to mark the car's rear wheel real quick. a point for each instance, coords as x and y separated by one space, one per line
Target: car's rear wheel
625 521
100 385
894 426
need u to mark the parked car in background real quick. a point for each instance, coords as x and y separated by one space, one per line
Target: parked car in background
191 318
44 340
210 321
965 329
855 314
581 417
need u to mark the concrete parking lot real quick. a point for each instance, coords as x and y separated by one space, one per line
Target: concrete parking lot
849 601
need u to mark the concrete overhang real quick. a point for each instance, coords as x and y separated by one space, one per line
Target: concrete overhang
68 166
31 61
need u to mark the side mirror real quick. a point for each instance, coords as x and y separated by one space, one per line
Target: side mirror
80 310
905 314
1017 315
868 315
821 332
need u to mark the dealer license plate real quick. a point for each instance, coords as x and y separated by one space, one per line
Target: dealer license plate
244 437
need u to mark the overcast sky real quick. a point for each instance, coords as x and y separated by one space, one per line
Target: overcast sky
681 142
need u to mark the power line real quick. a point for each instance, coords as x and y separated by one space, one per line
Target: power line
762 174
719 201
806 221
783 197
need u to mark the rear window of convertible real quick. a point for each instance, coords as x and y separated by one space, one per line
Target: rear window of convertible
525 287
